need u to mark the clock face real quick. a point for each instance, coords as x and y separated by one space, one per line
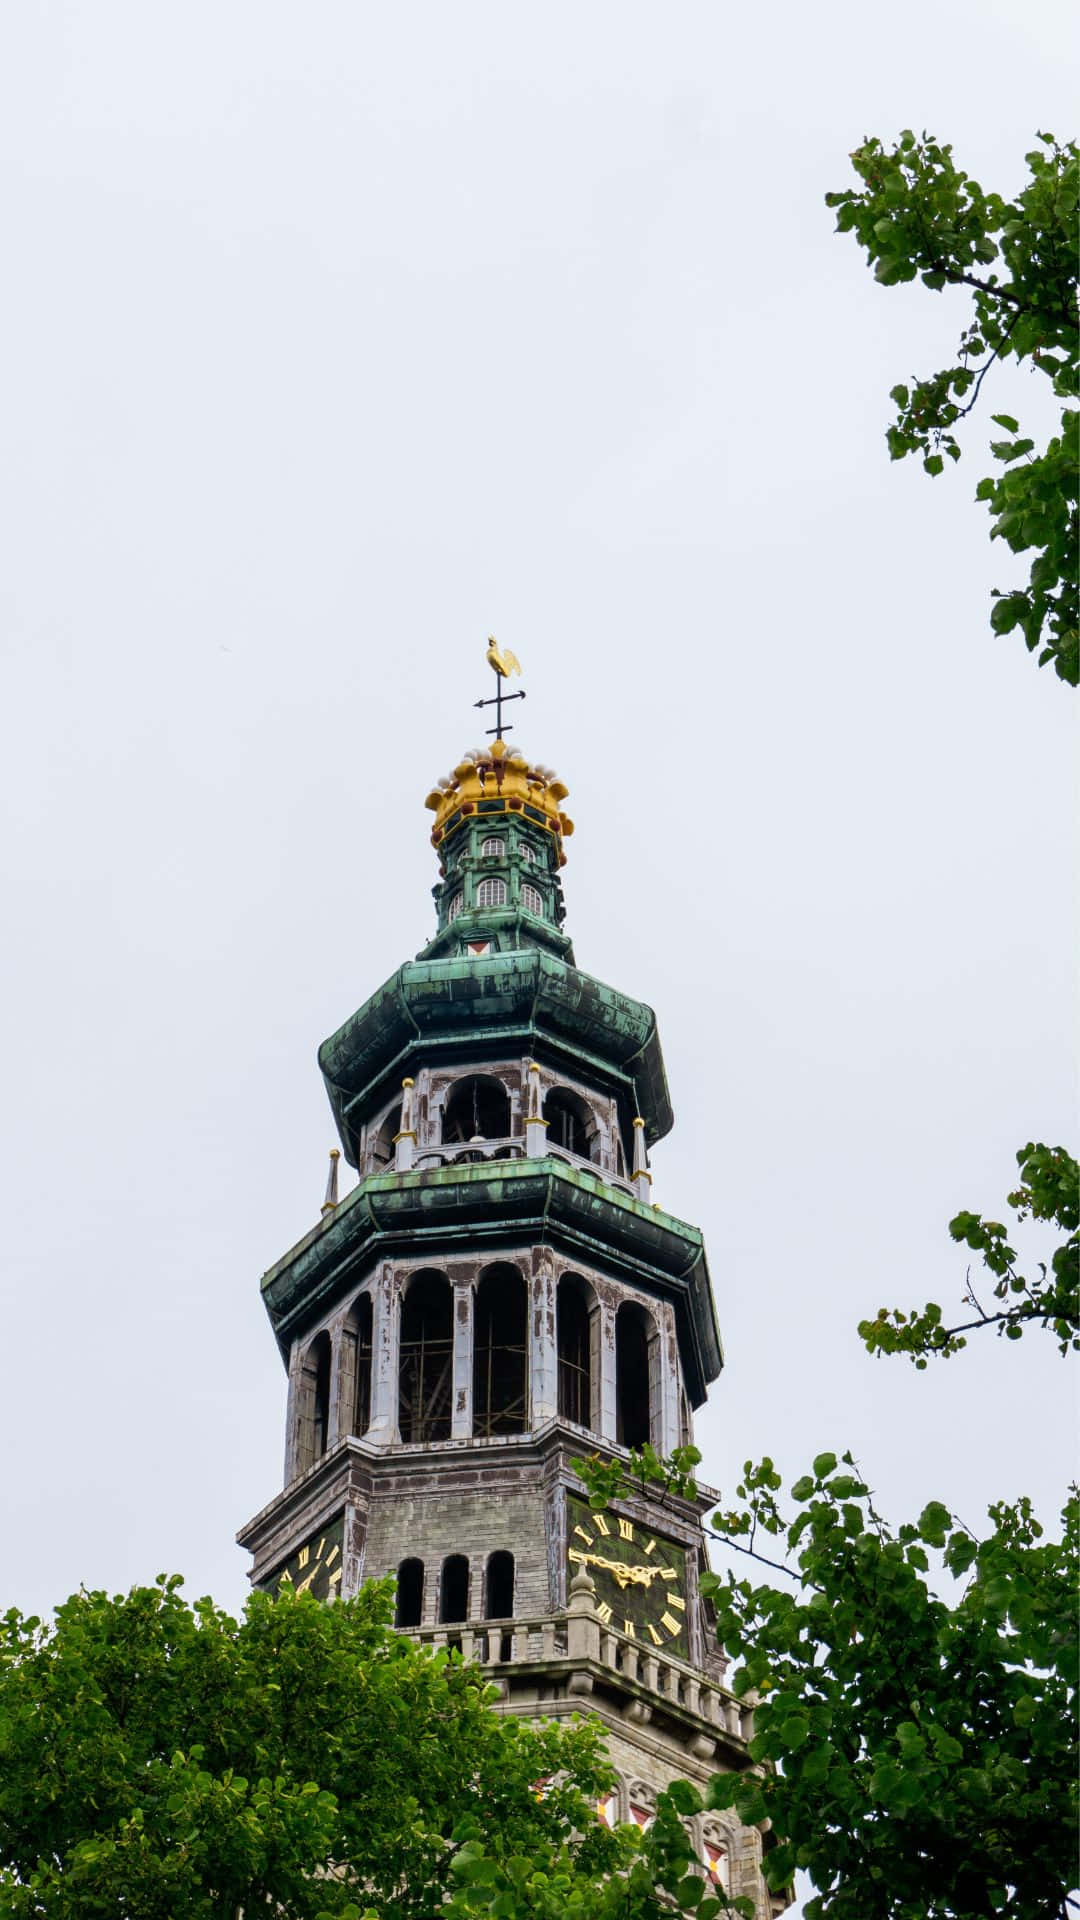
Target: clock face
316 1567
640 1577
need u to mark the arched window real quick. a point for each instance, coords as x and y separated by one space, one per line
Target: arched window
478 1109
493 845
356 1356
571 1124
383 1149
531 898
314 1403
634 1336
499 1587
527 852
426 1359
499 1370
410 1594
454 1590
455 907
491 893
575 1360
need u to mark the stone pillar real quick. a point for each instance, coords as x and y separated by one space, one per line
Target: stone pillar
343 1393
461 1404
384 1360
543 1342
604 1362
292 1414
582 1627
670 1434
333 1411
535 1124
405 1139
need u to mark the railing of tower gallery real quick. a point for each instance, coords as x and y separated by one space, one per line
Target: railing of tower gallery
543 1638
473 1152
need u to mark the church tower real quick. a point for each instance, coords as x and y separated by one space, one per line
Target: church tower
498 1295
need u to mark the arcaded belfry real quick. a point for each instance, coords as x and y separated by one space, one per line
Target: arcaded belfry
497 1296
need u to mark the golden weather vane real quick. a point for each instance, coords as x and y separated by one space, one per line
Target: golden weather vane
503 663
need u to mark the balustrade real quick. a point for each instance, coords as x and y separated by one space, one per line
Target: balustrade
534 1638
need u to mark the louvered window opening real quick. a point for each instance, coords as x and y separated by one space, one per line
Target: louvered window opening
426 1361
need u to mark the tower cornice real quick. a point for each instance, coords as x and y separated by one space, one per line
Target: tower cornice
528 996
499 1205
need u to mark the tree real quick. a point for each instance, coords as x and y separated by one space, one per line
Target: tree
1049 1190
161 1759
916 1754
918 215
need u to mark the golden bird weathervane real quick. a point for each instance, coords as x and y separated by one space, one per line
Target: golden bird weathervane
503 663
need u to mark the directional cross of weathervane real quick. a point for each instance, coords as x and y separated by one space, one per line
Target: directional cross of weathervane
503 663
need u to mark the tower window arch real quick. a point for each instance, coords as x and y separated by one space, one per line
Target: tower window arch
410 1594
425 1359
478 1108
573 1336
383 1149
491 893
493 845
454 1590
499 1586
314 1402
531 898
457 905
571 1123
528 852
636 1350
499 1352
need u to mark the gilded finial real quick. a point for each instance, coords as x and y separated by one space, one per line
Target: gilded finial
331 1200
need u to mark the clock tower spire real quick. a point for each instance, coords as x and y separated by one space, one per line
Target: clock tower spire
497 1295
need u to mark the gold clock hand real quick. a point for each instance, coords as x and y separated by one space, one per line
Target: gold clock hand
625 1575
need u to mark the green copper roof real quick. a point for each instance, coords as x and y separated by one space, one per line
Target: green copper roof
501 1204
525 998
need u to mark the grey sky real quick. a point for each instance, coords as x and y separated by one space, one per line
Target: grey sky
334 338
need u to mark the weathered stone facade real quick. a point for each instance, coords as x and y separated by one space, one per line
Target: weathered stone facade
497 1296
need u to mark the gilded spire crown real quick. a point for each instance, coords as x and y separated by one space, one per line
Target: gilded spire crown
498 779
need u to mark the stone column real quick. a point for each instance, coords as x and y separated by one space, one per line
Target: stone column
292 1414
543 1342
333 1411
582 1628
343 1392
384 1360
670 1436
461 1405
604 1364
405 1138
535 1124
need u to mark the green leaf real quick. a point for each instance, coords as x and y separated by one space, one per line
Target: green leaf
824 1464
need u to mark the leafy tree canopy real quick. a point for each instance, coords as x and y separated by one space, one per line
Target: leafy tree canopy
1049 1190
159 1759
918 216
916 1754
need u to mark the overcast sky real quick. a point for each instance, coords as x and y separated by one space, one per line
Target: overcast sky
335 337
